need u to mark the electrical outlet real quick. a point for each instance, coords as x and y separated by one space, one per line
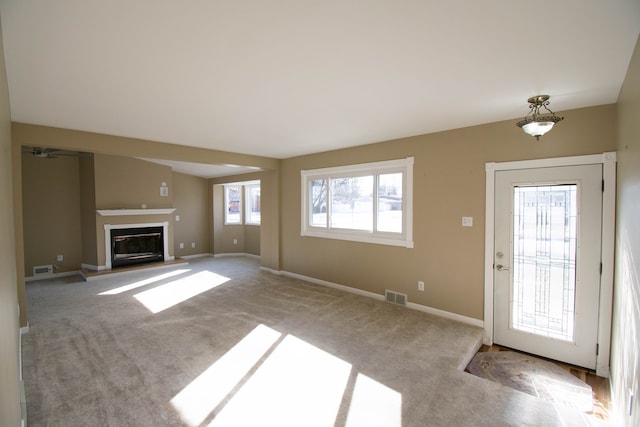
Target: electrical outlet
193 244
467 221
60 258
420 286
181 245
235 241
177 218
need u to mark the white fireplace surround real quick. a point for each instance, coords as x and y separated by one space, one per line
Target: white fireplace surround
107 238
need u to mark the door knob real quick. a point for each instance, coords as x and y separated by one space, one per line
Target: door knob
501 267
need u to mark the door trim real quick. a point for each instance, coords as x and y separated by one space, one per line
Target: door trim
608 160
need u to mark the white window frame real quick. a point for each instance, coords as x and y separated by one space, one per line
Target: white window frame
247 204
405 238
226 204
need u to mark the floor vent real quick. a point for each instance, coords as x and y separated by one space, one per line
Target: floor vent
42 269
395 297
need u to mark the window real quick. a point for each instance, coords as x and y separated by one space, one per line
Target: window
370 202
252 214
233 204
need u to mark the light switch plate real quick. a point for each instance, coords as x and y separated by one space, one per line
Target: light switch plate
467 221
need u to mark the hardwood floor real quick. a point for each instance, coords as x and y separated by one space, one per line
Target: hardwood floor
599 385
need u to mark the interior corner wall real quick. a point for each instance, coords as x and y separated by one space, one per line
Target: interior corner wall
227 238
449 181
625 340
191 202
270 219
10 408
87 188
18 227
127 182
51 213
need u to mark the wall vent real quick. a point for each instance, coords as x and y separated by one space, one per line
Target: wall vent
395 297
42 269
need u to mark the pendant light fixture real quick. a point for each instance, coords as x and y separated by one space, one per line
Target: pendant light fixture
535 123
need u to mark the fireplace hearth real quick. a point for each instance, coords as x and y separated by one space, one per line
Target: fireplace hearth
130 246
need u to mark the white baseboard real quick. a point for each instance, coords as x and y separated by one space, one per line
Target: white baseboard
23 396
334 285
205 255
446 314
94 267
51 276
271 270
242 254
411 305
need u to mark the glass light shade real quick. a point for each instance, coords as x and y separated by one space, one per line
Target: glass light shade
537 128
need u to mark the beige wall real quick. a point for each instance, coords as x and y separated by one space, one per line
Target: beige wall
127 182
224 236
625 357
51 212
88 211
449 181
252 239
191 200
9 320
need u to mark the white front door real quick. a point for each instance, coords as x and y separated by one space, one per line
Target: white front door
548 224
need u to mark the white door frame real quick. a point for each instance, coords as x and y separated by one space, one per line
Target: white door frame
608 160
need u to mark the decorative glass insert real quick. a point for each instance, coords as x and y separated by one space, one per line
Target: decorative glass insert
544 260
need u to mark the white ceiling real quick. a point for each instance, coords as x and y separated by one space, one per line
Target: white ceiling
283 78
203 170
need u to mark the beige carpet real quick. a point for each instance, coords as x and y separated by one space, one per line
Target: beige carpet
221 343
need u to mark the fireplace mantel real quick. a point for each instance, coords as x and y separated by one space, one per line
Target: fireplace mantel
124 212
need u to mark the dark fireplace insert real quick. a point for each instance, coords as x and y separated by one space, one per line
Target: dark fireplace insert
130 246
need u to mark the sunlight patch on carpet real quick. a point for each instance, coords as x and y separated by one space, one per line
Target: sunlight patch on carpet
144 282
198 400
374 404
297 385
165 296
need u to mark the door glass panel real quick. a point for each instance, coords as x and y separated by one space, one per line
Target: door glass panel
544 260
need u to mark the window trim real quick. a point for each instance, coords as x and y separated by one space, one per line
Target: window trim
404 239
